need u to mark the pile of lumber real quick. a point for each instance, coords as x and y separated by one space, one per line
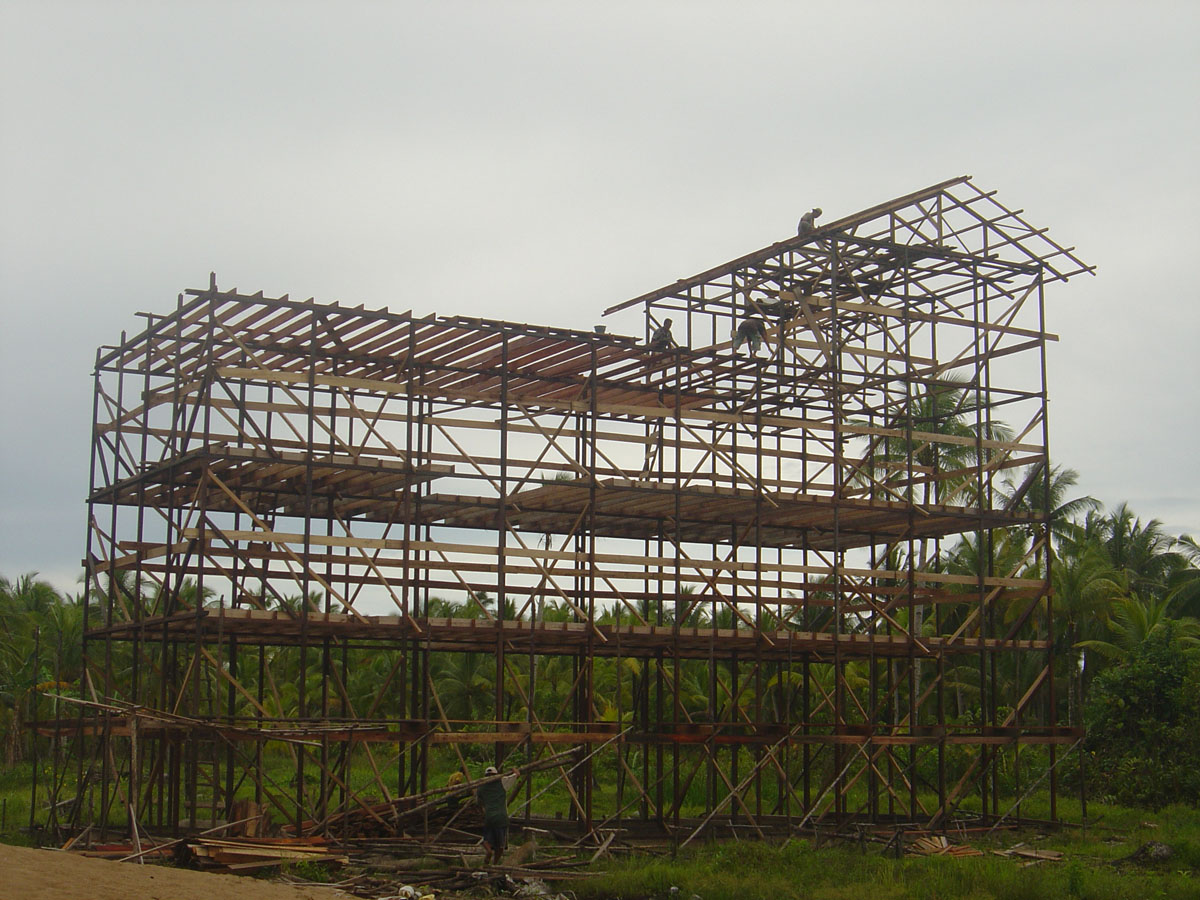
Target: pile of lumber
120 851
939 845
253 854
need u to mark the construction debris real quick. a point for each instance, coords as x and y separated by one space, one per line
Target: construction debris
434 810
939 845
255 854
1024 851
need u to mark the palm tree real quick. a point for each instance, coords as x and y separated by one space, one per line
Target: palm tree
1084 585
1142 552
1030 495
1183 586
466 684
947 408
34 621
1134 619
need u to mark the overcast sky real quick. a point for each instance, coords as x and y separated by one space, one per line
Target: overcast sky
542 161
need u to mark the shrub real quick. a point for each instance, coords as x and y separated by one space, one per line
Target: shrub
1143 721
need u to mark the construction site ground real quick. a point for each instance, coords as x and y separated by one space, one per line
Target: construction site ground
56 875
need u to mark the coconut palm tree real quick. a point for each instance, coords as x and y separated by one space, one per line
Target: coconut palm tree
1134 619
942 470
1143 553
1084 587
466 684
1028 492
1183 586
35 621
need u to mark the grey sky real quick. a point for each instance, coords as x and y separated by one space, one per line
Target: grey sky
541 161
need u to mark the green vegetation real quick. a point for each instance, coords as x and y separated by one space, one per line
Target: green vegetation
14 803
1091 867
1144 723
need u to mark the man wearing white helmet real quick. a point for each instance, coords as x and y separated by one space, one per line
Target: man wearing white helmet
492 796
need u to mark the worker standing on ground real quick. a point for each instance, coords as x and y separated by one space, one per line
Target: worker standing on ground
750 331
492 796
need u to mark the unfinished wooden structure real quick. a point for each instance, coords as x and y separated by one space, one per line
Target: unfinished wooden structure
713 565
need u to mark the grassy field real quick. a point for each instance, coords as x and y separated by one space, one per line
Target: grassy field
14 804
793 870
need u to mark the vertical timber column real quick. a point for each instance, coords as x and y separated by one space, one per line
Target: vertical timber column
676 540
917 398
759 662
137 649
501 544
590 586
406 758
106 765
1047 535
310 422
172 691
327 783
834 375
91 589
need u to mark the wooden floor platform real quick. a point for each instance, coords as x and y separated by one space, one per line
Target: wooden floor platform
373 489
711 514
273 627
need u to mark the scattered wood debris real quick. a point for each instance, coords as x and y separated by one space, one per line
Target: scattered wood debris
120 851
435 810
939 845
1024 851
254 854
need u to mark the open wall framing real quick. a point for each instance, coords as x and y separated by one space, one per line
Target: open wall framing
706 571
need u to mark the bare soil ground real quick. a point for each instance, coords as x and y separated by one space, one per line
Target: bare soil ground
27 874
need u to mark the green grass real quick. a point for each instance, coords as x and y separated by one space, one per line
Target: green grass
795 871
14 804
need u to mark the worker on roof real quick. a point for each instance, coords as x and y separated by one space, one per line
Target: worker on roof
752 332
662 339
492 796
808 221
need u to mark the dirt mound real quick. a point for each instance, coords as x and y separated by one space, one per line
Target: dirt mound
55 875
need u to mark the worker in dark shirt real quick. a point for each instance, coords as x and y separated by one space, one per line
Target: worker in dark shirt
493 798
662 338
750 331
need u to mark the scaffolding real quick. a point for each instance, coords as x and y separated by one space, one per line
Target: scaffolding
344 551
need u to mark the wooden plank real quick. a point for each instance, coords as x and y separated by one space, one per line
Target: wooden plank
535 737
289 538
652 413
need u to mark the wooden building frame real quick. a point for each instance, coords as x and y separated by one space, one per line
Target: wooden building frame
745 535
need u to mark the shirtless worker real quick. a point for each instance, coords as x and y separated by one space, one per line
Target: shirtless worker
493 798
